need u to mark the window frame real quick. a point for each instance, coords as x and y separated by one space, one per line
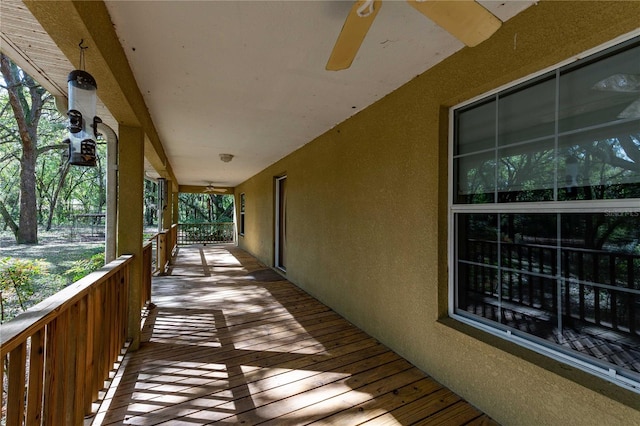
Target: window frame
557 207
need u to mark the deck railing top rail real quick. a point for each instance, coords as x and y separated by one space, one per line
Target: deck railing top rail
205 233
59 352
538 244
14 331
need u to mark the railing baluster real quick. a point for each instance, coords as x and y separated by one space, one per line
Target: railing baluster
487 256
478 278
509 264
15 397
520 295
80 360
566 267
581 285
540 259
36 385
554 286
613 299
631 298
98 344
91 391
108 332
70 326
54 390
596 290
124 282
2 383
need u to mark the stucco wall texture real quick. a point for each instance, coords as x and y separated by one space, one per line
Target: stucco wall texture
366 223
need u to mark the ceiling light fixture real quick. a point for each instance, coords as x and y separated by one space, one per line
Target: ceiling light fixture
226 157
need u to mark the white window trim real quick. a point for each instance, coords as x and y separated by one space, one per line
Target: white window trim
585 206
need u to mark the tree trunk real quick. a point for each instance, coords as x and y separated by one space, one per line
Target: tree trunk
56 193
27 114
28 224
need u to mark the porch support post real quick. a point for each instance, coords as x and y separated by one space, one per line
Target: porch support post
130 217
167 219
176 201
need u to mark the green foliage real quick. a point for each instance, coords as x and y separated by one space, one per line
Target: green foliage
205 208
150 203
59 193
83 267
16 281
55 255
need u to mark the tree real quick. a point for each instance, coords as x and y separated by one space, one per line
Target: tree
27 100
198 208
33 161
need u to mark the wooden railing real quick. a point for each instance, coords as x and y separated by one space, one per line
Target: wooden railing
60 351
147 273
599 287
205 233
172 241
163 245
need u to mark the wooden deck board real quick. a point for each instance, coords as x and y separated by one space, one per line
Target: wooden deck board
232 342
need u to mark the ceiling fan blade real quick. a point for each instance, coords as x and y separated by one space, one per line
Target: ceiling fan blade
353 31
467 20
211 189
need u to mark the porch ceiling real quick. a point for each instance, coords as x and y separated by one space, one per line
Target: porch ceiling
245 78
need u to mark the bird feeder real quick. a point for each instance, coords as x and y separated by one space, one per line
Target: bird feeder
82 118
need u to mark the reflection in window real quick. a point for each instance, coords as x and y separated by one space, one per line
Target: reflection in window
526 172
572 134
600 169
546 212
566 278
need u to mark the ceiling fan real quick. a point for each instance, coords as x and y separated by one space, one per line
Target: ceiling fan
467 20
210 188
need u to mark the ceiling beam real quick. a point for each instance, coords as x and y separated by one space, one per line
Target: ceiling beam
67 23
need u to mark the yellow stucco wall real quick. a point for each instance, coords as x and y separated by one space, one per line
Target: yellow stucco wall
367 214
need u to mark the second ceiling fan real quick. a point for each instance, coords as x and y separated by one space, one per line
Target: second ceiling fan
210 188
467 20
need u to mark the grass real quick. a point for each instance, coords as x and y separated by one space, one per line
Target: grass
58 252
56 248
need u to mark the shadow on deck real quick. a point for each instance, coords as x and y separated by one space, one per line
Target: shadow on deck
232 342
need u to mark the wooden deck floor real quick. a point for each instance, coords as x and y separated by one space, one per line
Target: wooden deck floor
231 342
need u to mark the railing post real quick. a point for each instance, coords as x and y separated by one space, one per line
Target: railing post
161 252
174 241
147 272
73 338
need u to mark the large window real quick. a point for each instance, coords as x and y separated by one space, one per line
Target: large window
545 213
